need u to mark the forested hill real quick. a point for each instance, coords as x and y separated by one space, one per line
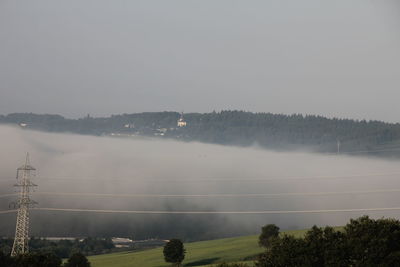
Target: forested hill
276 131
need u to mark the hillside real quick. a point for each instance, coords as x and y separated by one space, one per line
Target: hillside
274 131
198 253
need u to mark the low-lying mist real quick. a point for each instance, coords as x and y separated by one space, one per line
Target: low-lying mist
136 173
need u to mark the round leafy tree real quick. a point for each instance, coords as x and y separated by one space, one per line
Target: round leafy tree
174 252
77 260
268 233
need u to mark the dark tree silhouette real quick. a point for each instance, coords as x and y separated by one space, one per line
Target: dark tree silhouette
363 242
77 260
38 259
6 260
174 252
268 232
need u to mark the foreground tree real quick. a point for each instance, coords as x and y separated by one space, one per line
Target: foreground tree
373 242
363 242
268 233
174 252
283 252
77 260
326 247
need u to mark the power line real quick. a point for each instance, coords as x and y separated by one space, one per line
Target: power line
219 195
370 151
355 140
7 211
221 212
8 195
211 212
215 179
222 195
361 151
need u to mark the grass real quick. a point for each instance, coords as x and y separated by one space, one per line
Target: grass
204 253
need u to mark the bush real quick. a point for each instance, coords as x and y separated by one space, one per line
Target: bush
268 233
174 252
77 260
38 259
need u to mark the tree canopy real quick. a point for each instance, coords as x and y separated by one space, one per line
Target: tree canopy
77 260
268 233
363 242
33 259
174 252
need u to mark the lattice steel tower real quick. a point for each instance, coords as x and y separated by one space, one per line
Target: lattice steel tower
24 174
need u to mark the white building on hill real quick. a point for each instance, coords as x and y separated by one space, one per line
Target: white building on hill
181 121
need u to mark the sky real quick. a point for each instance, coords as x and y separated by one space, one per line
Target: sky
333 58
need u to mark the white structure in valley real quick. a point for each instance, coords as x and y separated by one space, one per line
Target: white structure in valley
181 121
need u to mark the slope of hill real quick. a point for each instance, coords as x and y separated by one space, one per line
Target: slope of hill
275 131
198 253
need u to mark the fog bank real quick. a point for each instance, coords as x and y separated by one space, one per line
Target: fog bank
154 174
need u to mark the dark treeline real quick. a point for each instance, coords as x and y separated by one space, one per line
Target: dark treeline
43 259
276 131
63 248
362 242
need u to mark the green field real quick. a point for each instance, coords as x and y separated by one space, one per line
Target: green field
198 253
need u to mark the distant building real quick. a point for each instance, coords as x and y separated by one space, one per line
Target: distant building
161 131
181 121
120 242
129 125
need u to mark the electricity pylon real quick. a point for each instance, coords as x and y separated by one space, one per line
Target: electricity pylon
24 174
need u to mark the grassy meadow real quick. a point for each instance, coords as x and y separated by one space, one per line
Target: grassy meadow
204 253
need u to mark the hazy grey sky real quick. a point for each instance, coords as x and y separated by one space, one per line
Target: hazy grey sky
335 58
